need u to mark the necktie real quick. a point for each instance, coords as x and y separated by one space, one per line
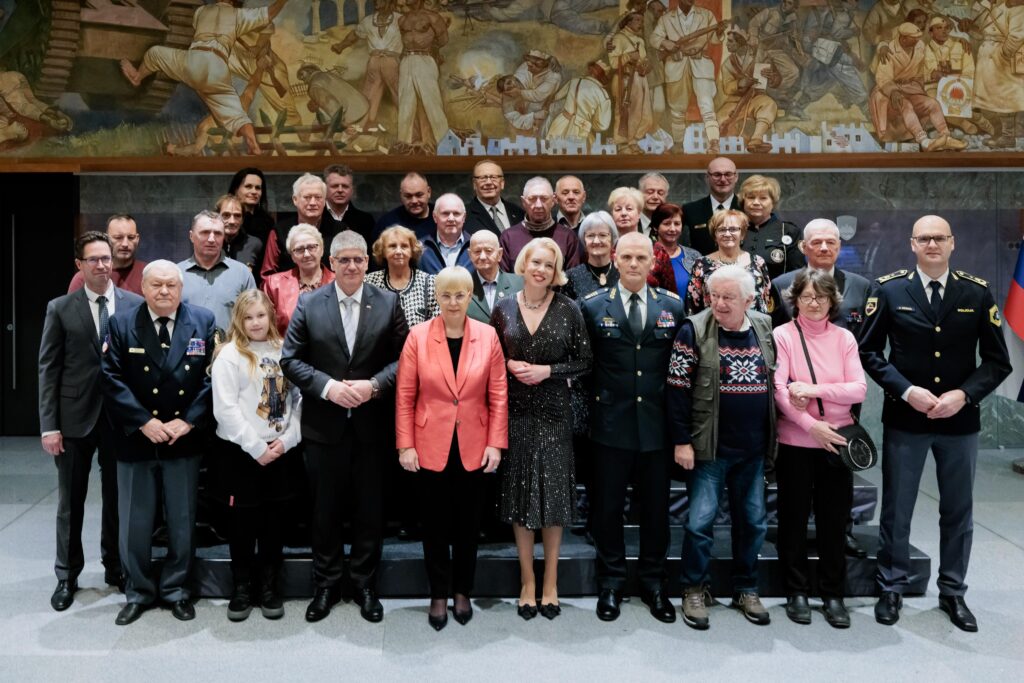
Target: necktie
496 215
164 334
348 322
936 297
635 323
101 302
719 208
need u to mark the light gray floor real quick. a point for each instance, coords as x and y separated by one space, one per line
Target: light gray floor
83 644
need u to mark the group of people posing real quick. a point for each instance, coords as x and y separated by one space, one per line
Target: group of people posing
509 343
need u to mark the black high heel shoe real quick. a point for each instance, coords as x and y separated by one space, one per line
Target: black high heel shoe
527 612
462 616
551 611
439 622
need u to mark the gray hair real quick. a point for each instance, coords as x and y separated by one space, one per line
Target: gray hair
303 230
647 177
484 235
206 213
821 224
452 196
162 264
537 180
598 219
308 179
734 273
347 239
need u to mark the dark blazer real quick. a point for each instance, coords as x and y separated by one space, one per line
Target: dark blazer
140 384
696 215
850 315
70 399
508 285
936 353
432 260
478 216
778 243
627 381
315 351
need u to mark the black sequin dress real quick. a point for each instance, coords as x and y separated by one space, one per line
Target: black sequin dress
538 479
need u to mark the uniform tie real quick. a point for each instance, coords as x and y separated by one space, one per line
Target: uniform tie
936 297
101 301
164 334
635 323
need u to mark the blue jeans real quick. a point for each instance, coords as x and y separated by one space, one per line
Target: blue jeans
744 477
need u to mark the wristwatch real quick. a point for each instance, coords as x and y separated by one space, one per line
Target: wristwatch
375 388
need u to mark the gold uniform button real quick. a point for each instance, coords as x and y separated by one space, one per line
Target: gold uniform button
458 422
937 380
155 390
186 368
177 413
637 347
639 373
639 399
938 329
145 368
938 354
597 398
155 413
181 392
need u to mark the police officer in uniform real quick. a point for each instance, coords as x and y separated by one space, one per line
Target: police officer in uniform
632 327
773 239
936 322
157 392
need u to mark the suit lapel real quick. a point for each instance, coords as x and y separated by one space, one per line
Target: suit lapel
366 312
952 296
83 307
479 298
614 308
840 278
145 333
916 292
332 313
467 358
439 355
184 330
653 309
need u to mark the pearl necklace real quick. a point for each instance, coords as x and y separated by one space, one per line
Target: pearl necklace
534 307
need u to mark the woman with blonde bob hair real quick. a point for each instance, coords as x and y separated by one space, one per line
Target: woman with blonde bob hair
451 422
545 344
258 415
625 205
773 239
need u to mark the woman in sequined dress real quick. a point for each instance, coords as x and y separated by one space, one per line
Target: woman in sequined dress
545 342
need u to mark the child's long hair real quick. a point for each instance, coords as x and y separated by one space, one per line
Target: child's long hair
236 333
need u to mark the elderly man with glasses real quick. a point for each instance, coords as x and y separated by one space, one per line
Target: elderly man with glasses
721 179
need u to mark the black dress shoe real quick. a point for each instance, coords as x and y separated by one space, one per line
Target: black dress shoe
320 606
527 612
550 611
369 606
797 609
959 614
63 594
129 613
182 610
887 609
836 613
853 547
608 604
661 608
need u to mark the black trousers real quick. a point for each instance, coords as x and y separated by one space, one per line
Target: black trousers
346 475
450 503
73 467
613 469
256 526
805 475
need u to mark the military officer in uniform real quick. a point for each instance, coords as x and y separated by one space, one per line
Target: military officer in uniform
936 322
157 392
632 327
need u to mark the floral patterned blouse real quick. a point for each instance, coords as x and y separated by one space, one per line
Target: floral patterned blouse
698 297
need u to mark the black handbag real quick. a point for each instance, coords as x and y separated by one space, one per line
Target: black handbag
859 453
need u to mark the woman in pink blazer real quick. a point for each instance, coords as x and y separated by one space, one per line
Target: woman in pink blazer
451 422
306 246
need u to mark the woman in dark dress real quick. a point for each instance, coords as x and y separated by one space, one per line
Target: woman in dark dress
545 342
599 235
250 187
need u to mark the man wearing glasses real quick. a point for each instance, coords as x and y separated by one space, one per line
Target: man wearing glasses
937 322
487 210
126 271
342 351
721 179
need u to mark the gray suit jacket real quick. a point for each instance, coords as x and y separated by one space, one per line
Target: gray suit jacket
508 285
69 363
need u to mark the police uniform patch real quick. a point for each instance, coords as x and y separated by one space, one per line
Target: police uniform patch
776 255
871 306
891 276
771 304
993 316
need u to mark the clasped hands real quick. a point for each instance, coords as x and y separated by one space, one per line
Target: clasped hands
158 431
275 449
350 393
528 373
936 407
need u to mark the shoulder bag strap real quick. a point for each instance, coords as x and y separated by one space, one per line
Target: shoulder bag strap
810 366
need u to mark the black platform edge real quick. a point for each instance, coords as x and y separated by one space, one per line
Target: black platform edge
402 574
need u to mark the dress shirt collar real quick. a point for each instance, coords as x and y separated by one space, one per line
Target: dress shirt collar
154 316
338 216
926 281
625 294
458 243
92 296
727 202
356 295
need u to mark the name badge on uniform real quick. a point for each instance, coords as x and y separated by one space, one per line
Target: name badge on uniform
701 226
196 347
609 322
908 309
135 349
665 319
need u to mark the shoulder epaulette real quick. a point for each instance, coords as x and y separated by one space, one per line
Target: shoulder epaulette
972 278
902 272
668 293
603 290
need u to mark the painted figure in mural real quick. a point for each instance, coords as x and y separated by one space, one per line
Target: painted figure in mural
899 101
882 20
775 38
204 65
329 93
253 59
17 99
384 41
531 91
946 56
421 116
634 112
682 36
582 107
565 14
999 71
656 78
747 110
832 65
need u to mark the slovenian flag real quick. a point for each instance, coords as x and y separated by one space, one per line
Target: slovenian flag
1013 314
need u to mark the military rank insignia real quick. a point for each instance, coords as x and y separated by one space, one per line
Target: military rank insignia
871 306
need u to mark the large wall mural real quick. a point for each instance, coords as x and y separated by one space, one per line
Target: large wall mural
188 78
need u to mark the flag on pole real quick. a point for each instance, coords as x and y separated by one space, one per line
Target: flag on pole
1013 313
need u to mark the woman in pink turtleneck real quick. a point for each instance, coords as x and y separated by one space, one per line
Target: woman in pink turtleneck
804 468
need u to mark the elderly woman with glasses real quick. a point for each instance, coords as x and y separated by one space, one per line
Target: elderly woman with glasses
768 236
598 235
398 250
818 379
728 228
306 246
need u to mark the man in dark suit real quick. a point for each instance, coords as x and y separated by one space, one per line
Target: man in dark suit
490 285
487 210
157 393
71 416
341 213
416 211
936 322
721 179
632 327
342 351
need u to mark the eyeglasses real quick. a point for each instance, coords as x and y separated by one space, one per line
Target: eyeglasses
597 237
728 230
96 260
488 178
459 298
815 298
305 248
722 176
349 260
923 240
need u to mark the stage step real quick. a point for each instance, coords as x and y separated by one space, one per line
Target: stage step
402 573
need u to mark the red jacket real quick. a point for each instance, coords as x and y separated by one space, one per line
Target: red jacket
433 400
283 290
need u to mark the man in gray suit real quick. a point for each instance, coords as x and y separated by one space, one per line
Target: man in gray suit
489 284
71 415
